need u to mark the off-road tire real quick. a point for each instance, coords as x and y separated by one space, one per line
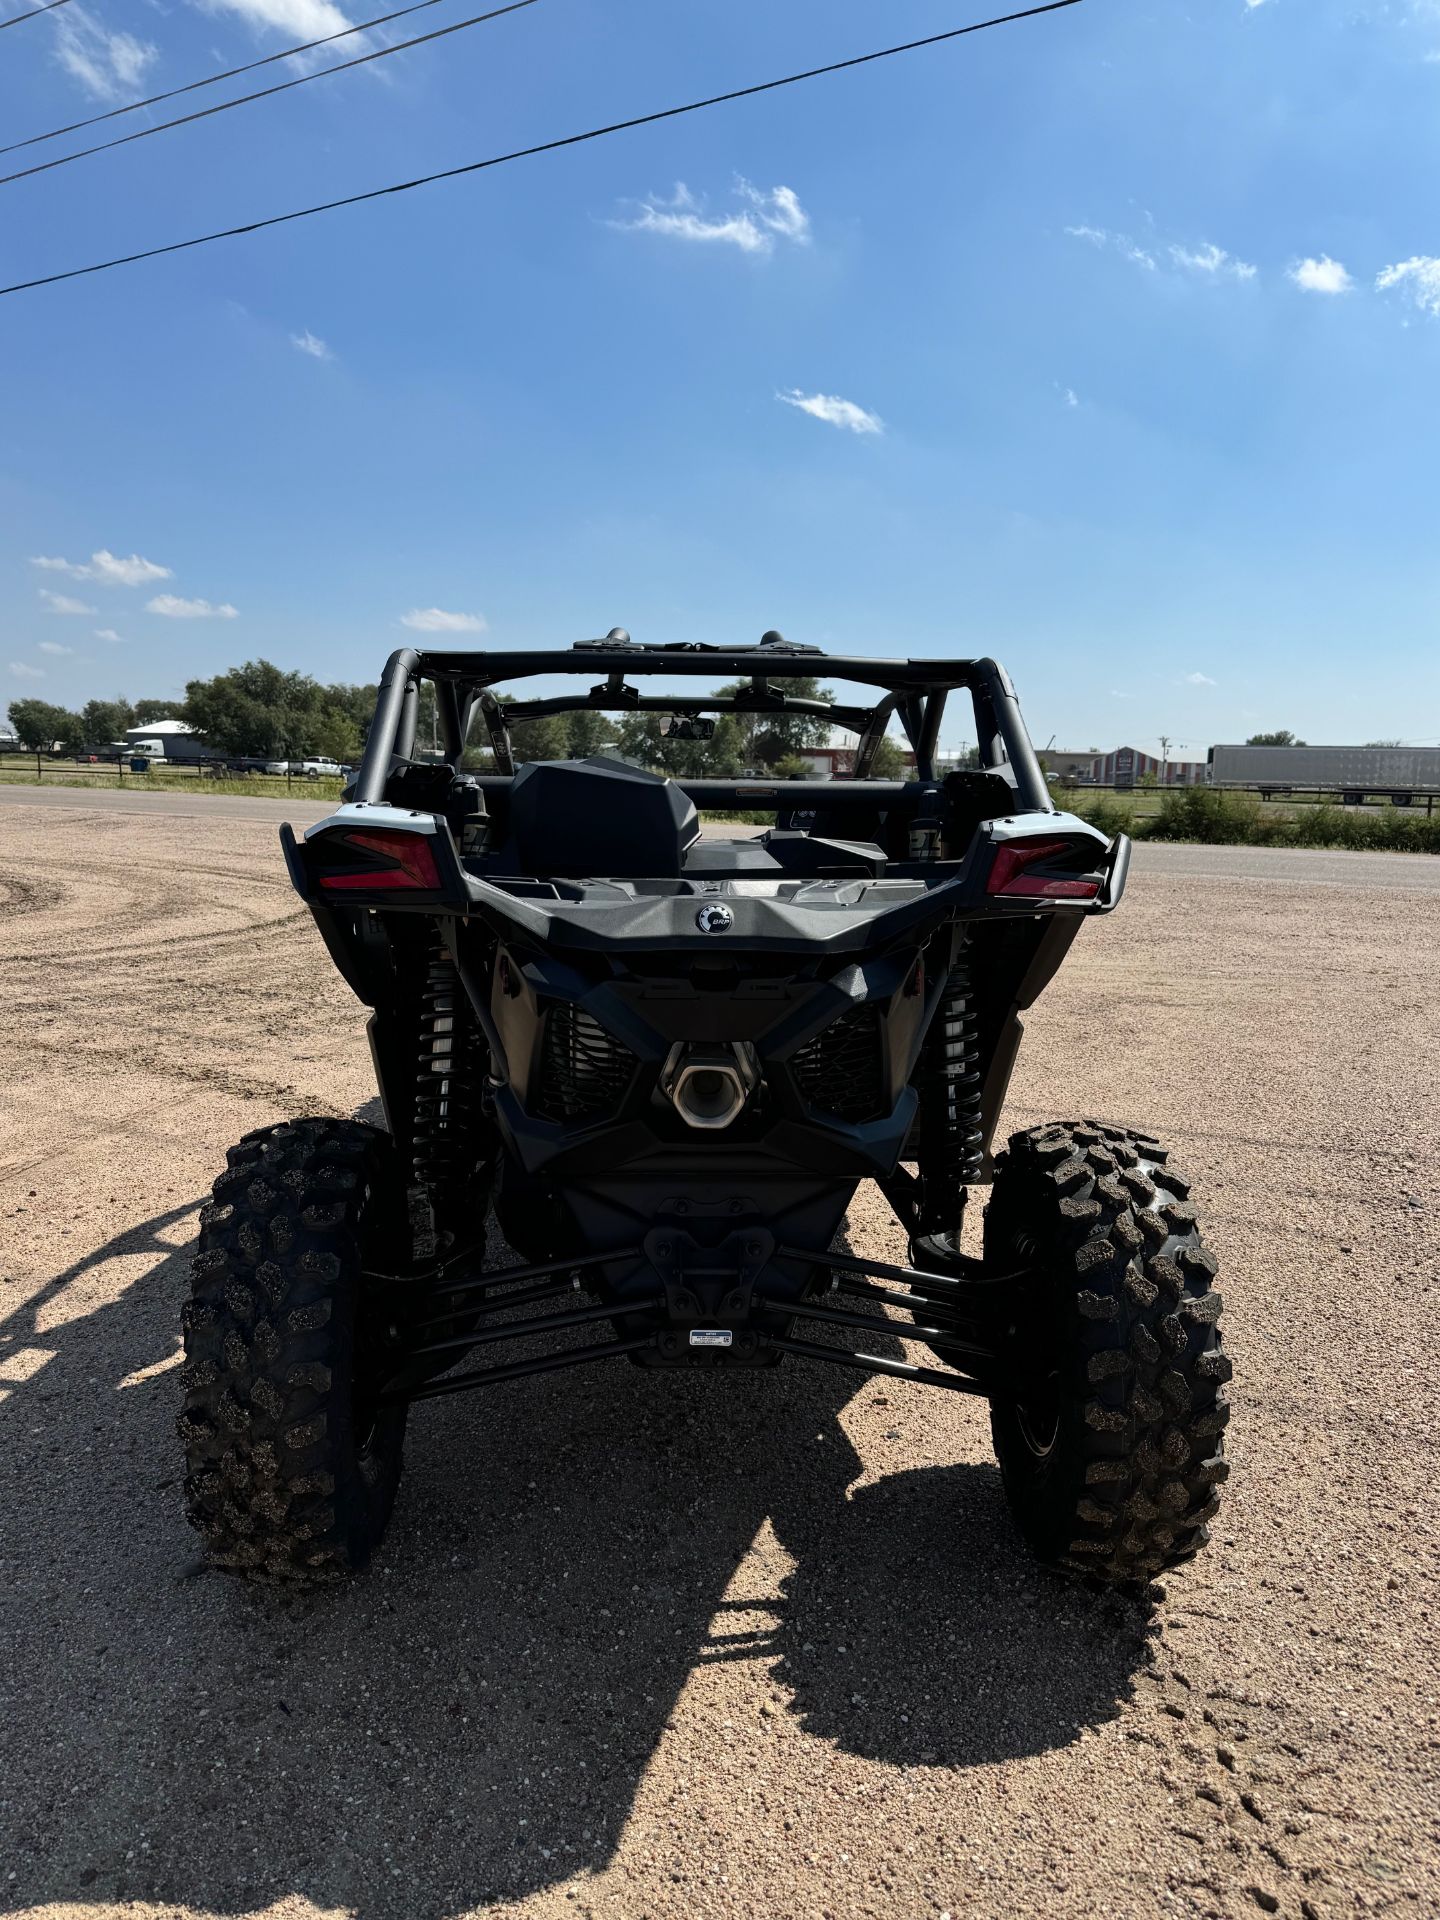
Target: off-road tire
1123 1483
291 1469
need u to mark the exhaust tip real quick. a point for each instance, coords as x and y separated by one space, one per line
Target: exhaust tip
708 1086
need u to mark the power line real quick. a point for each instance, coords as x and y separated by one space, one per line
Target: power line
31 12
281 86
526 153
210 80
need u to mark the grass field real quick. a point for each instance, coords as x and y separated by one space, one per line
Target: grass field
1217 817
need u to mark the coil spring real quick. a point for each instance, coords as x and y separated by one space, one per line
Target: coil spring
952 1132
449 1079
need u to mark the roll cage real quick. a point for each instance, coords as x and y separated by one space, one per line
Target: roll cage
914 691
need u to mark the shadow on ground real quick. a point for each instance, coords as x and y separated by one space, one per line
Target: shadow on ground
469 1722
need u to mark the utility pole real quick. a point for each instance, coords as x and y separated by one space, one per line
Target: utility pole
1164 758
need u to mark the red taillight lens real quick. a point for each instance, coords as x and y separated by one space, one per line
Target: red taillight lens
1010 876
410 864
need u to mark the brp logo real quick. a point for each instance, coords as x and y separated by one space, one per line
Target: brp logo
715 919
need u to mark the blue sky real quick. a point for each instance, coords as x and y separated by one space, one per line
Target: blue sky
1108 343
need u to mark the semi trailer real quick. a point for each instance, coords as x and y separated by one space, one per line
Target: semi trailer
1356 774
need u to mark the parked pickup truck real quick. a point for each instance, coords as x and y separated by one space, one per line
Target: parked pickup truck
311 769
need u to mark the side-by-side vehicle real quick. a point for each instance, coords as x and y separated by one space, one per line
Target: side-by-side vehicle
665 1060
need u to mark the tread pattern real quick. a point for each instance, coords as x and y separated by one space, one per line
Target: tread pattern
1133 1475
278 1483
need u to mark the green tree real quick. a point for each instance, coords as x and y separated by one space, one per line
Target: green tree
889 761
38 724
145 711
553 736
1282 737
333 735
644 738
588 732
357 704
782 733
769 746
104 721
261 709
547 738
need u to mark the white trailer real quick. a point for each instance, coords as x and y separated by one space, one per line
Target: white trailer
1356 774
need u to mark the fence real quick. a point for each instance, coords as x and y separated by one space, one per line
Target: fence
69 771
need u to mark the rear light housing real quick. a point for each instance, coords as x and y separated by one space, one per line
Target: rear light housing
1013 874
394 861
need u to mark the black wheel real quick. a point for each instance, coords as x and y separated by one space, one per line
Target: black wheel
1113 1454
291 1464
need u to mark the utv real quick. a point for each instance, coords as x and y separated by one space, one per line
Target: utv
666 1061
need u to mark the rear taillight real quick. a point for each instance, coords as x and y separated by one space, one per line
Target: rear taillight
1011 877
399 863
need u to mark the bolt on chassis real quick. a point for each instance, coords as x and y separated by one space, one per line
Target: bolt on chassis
666 1061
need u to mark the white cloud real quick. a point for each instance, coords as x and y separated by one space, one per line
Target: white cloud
22 671
779 210
111 571
1420 276
1213 260
1252 4
174 608
1198 680
107 65
1205 258
835 411
109 633
1121 242
293 20
1069 396
53 646
437 620
62 603
107 569
312 344
1321 276
763 217
296 19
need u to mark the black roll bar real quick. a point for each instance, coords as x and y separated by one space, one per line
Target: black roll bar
917 687
396 684
999 691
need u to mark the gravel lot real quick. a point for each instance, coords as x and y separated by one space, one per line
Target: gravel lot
647 1645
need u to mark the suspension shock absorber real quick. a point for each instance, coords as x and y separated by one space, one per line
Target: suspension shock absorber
951 1133
450 1126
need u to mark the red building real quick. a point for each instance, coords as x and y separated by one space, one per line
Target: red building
1127 767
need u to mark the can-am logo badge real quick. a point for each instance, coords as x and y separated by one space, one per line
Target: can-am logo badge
716 919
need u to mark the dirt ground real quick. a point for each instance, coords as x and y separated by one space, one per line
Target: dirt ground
647 1645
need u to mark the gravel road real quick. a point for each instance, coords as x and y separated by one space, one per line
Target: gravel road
646 1645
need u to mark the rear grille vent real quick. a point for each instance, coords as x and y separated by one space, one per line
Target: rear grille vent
841 1071
584 1071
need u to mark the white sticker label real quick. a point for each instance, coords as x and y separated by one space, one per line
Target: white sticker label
710 1336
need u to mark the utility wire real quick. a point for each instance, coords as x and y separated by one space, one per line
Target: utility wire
211 79
281 86
31 12
526 153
